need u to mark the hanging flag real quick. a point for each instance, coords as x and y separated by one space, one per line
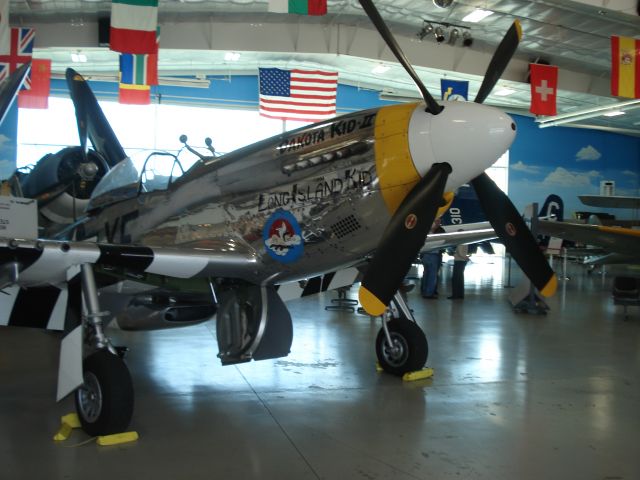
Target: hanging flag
301 7
5 33
137 73
454 89
544 85
38 95
133 26
307 95
139 69
134 94
625 67
20 48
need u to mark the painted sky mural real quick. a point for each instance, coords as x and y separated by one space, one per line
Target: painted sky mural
571 162
8 142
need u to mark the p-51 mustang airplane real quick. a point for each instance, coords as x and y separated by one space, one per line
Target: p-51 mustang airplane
360 190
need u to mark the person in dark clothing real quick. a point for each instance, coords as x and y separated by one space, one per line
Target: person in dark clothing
460 259
431 262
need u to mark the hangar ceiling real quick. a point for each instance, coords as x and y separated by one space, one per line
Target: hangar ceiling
195 35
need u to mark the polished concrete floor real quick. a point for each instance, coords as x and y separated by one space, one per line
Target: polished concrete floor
514 396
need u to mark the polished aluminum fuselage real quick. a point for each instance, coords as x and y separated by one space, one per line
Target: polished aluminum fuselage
224 204
308 201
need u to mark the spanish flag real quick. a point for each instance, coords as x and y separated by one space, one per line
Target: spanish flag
625 67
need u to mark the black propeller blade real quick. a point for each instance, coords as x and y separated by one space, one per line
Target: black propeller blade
92 124
500 60
376 19
513 231
502 214
402 240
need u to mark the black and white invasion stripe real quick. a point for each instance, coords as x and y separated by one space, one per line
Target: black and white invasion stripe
321 283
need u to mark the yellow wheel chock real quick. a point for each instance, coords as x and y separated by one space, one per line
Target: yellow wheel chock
70 421
411 376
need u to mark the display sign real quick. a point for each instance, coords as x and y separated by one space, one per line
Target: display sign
18 218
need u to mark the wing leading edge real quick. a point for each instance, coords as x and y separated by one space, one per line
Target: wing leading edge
46 262
614 239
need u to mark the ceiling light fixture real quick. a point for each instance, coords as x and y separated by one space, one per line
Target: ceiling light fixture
443 3
587 113
380 69
426 29
439 33
78 57
477 15
232 56
453 36
503 92
467 39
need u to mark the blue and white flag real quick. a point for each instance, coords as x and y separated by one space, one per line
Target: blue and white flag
454 89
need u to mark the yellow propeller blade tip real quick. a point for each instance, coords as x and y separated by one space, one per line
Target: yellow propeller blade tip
371 304
516 22
550 288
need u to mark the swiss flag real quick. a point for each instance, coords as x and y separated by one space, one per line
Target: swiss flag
544 86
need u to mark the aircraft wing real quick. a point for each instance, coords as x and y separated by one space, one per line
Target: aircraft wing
613 239
459 234
46 262
610 201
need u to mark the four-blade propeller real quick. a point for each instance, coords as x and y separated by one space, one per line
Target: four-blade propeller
407 229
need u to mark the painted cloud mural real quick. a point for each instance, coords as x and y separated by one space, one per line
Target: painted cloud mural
571 162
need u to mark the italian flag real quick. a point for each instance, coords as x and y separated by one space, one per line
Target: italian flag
301 7
133 26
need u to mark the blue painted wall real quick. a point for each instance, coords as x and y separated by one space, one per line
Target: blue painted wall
234 91
9 142
570 162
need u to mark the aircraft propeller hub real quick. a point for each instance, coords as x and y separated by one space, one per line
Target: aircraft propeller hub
468 136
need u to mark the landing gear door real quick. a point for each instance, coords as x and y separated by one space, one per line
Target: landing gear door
252 324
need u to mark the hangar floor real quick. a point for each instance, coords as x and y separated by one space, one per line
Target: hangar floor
514 396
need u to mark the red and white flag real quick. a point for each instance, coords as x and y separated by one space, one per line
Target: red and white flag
133 26
544 87
297 94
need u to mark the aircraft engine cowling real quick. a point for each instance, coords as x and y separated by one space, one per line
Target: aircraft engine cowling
63 182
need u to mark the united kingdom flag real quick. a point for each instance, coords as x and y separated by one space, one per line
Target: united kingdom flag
20 52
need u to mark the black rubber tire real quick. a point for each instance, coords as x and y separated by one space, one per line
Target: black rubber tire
105 375
411 341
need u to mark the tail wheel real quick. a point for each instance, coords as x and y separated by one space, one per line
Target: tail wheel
408 350
104 402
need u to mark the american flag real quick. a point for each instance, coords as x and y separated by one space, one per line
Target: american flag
18 53
307 95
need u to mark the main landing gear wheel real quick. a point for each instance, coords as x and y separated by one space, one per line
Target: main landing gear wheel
409 349
104 402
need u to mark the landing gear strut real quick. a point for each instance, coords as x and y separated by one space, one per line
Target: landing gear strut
401 345
104 402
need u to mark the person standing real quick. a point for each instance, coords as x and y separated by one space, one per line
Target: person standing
460 259
431 261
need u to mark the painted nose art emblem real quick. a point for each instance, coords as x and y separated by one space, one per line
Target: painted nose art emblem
411 221
510 229
282 237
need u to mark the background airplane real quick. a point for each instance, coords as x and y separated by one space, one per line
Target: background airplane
358 191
